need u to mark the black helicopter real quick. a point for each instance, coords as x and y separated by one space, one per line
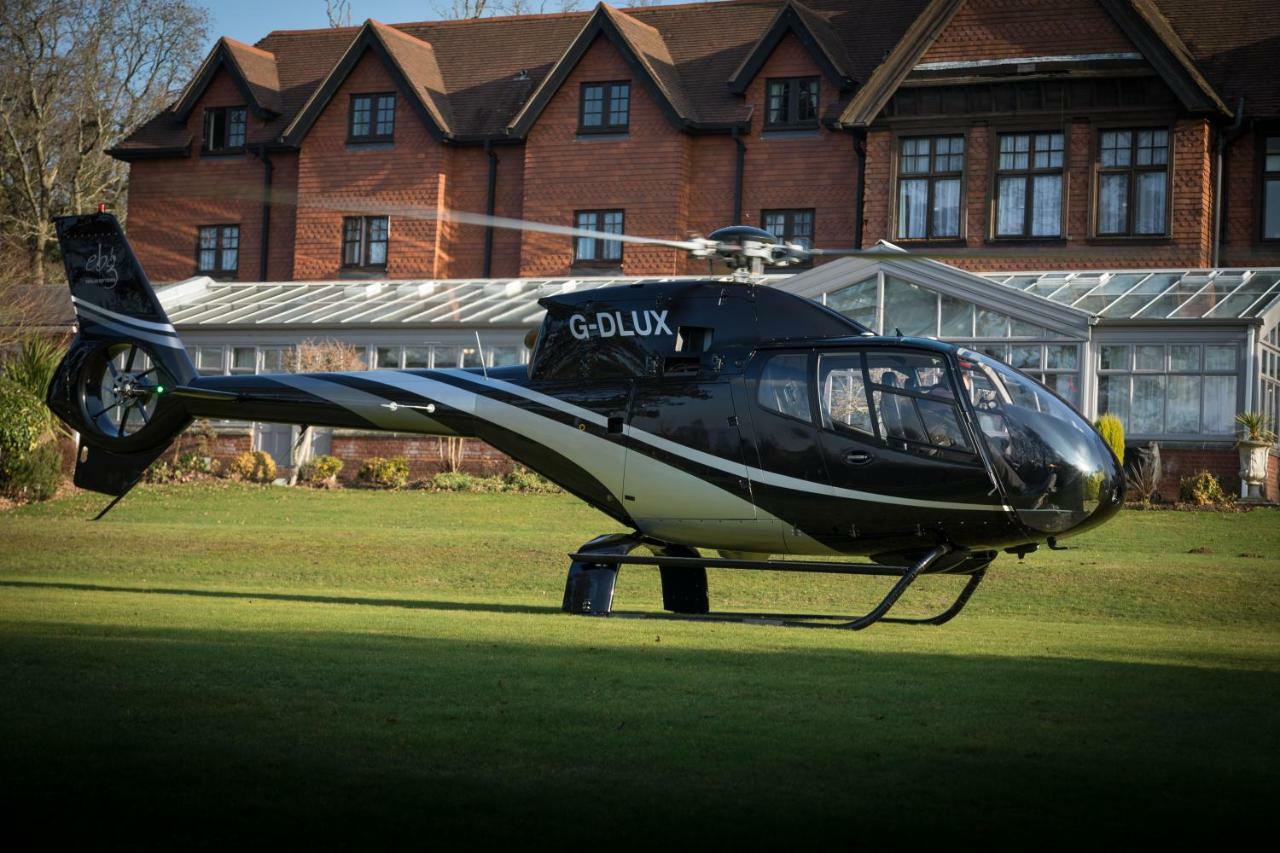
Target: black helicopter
716 414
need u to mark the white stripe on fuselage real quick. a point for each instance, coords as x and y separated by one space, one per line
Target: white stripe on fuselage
756 475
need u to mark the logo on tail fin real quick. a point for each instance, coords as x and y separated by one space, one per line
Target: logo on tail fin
104 264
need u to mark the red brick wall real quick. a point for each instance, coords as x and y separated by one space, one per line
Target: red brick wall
170 199
1191 219
462 246
998 29
1273 478
1176 463
1242 228
645 173
424 453
818 171
410 174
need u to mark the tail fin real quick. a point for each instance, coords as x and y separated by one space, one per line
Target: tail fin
111 386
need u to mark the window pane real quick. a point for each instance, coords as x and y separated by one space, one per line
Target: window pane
941 425
386 358
244 359
1148 358
1220 358
235 128
1272 154
1048 151
1184 359
1153 147
272 360
443 357
784 387
1271 213
909 307
619 103
378 226
1011 202
1066 386
417 358
1046 210
1183 414
957 318
807 101
592 106
777 102
210 359
360 110
503 356
949 153
857 301
1219 404
1026 357
1113 396
1062 357
1015 151
612 224
1149 202
1113 203
1115 148
470 357
912 196
802 228
844 393
915 155
585 247
946 208
991 324
1113 358
386 120
230 248
898 419
1148 404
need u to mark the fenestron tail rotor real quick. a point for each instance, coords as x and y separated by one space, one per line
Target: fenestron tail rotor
120 388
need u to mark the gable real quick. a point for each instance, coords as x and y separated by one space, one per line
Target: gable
1009 29
796 21
252 70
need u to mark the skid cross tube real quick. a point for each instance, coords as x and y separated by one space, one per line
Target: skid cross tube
597 564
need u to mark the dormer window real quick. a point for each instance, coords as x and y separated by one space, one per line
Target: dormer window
604 108
224 130
373 118
792 103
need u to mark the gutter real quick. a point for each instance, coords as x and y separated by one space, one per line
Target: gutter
489 204
860 193
268 170
740 159
1225 138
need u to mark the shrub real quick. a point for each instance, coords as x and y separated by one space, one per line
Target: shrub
452 481
321 471
196 464
384 473
1202 489
523 480
37 475
33 365
1112 431
1143 478
255 466
159 472
24 422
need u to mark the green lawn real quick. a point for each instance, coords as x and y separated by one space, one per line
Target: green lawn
219 664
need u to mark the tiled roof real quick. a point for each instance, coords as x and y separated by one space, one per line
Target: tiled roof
479 74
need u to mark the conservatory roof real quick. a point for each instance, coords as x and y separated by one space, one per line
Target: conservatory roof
1174 294
439 302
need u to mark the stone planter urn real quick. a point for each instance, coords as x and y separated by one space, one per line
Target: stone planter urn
1253 466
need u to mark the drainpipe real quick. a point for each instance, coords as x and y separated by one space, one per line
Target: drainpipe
267 169
860 195
1225 138
739 167
489 207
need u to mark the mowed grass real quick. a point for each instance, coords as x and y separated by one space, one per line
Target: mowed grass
218 665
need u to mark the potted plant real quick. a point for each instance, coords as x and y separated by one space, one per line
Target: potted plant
1256 439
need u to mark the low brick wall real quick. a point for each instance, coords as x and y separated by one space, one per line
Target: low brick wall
427 455
1222 462
224 446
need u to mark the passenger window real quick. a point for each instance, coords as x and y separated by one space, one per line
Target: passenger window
784 387
843 393
914 402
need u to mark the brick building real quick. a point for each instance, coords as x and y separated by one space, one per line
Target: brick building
998 135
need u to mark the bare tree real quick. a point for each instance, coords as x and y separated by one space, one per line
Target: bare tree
339 12
459 9
74 78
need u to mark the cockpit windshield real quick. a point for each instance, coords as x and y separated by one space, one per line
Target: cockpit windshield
1054 466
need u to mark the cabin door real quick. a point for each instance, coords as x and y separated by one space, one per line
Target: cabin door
684 455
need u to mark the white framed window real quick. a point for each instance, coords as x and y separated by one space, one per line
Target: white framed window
1172 389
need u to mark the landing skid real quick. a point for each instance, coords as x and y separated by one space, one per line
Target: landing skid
593 574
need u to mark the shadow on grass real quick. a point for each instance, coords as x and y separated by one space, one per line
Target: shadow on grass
200 737
407 603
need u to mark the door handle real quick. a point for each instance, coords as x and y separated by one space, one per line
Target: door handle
857 457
